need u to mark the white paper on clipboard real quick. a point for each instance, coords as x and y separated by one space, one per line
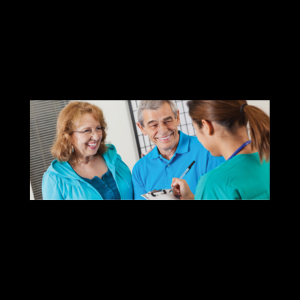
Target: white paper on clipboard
160 195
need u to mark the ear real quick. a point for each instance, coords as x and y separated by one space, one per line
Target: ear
141 128
208 127
178 118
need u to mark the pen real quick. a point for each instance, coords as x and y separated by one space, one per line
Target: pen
185 172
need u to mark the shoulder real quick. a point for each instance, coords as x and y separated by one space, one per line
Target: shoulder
212 185
111 152
195 144
50 178
59 171
111 156
111 148
215 176
244 161
196 148
52 169
193 141
57 167
142 163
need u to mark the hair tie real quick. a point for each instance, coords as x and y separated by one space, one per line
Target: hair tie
242 107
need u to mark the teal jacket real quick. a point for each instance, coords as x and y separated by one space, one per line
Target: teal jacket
61 182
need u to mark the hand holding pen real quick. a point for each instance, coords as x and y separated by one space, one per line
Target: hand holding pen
181 188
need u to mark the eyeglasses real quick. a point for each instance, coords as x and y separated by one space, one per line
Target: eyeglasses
88 132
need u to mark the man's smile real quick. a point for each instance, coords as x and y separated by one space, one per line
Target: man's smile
165 138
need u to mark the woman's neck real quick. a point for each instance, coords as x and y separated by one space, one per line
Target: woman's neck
232 143
82 160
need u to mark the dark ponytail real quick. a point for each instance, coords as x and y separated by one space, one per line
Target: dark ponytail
228 113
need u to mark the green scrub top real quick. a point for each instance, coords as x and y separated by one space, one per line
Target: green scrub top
241 178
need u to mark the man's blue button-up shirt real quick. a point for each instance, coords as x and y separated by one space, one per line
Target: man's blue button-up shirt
153 172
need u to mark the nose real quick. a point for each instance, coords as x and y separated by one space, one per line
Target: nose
163 128
96 136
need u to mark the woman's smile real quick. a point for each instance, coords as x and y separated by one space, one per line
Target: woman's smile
92 145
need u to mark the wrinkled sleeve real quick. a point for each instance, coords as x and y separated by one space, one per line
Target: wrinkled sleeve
138 187
50 188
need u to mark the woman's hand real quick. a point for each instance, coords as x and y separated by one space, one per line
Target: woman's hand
182 189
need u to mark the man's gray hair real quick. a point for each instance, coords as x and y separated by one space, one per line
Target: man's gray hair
154 105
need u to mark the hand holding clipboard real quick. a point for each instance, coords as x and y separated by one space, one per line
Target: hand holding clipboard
167 194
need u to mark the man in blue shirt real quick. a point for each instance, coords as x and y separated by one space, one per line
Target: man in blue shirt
174 151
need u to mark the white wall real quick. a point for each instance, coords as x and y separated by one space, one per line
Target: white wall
120 130
262 104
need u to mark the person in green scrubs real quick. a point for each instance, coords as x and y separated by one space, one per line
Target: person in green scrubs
221 127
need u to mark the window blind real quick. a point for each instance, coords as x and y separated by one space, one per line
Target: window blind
43 118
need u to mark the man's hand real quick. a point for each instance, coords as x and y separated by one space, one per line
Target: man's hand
182 189
147 152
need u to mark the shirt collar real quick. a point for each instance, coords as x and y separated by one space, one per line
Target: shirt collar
183 146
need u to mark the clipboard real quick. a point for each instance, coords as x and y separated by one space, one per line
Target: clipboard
160 195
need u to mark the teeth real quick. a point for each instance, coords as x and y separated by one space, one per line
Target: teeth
92 145
164 138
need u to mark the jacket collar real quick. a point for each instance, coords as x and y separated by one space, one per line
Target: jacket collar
64 169
110 157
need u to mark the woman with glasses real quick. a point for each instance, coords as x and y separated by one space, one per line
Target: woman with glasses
85 167
221 127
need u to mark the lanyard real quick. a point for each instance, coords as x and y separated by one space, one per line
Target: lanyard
239 150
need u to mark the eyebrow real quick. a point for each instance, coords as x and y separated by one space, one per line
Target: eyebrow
165 119
89 127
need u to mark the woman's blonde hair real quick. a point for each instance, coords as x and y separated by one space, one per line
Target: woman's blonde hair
70 117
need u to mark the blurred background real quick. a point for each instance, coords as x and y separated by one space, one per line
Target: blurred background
120 116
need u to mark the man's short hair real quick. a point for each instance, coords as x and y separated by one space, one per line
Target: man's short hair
154 105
